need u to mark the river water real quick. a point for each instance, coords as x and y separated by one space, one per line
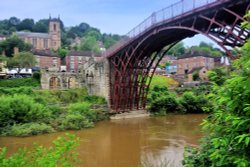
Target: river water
127 143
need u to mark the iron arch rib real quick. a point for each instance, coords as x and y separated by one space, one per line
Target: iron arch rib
132 58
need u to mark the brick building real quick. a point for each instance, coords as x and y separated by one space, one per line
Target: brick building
75 60
192 60
51 40
46 59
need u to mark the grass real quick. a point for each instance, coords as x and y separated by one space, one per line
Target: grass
162 81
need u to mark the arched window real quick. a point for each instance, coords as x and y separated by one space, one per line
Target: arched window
54 27
54 83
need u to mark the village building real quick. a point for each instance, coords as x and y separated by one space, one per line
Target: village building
47 59
3 69
194 62
43 41
2 37
171 62
76 60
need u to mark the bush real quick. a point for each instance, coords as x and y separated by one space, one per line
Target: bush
29 129
37 75
94 99
165 104
75 122
156 92
193 104
20 90
21 109
60 154
12 83
83 109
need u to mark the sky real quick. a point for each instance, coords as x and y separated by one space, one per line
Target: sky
110 16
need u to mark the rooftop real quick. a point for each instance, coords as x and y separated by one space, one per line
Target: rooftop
32 34
83 53
195 54
48 53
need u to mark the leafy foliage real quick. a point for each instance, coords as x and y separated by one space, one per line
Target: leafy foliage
60 154
19 82
22 60
217 75
228 141
207 48
21 109
25 112
29 129
163 101
10 43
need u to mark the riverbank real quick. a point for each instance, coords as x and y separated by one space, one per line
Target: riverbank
25 111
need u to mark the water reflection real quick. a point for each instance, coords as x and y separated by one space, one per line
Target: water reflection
125 143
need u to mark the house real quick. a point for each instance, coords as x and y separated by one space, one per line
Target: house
171 68
41 41
192 60
47 59
75 60
199 73
2 37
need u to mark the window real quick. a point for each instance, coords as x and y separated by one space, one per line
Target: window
45 43
72 66
54 27
34 42
54 62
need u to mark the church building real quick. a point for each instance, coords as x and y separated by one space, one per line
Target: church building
44 41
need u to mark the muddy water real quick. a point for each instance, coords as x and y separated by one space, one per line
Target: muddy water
127 143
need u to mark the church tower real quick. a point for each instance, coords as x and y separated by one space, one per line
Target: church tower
54 32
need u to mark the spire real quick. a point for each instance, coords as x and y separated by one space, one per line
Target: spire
50 16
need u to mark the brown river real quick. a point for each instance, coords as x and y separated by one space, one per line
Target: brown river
127 143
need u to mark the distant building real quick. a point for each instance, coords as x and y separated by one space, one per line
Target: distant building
41 41
201 73
2 37
192 60
47 59
3 69
75 60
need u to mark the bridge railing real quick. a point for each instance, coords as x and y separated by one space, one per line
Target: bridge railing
177 9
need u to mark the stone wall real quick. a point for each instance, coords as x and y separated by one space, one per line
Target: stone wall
94 76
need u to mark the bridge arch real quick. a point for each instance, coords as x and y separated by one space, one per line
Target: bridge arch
132 59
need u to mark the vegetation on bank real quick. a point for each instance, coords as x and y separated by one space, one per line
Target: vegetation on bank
228 140
162 101
19 82
60 154
163 80
25 112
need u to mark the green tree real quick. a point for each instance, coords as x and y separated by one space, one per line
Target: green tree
207 48
22 60
218 75
26 24
41 26
10 43
89 43
62 52
177 50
